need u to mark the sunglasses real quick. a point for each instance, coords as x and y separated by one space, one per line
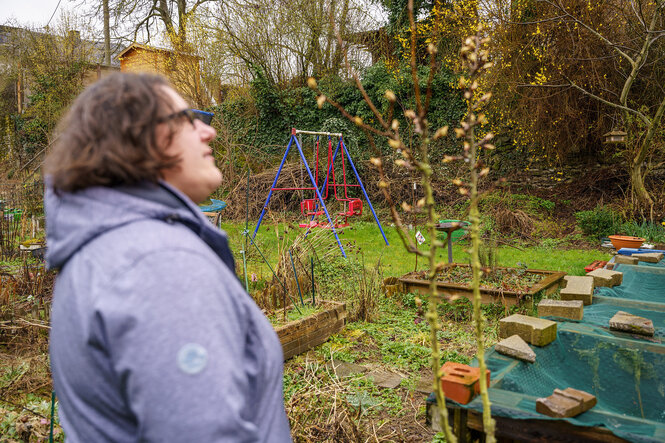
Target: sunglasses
191 115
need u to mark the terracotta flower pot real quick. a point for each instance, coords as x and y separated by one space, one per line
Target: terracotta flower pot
626 241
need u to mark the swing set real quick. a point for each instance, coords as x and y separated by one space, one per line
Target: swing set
315 208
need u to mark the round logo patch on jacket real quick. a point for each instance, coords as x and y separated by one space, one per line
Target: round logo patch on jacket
192 358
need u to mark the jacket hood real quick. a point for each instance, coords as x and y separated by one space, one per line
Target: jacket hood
74 219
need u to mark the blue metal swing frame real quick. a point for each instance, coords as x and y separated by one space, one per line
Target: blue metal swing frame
318 191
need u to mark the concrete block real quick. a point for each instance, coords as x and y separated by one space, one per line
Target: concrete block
623 321
578 288
571 309
625 260
649 257
424 385
565 403
605 277
385 379
536 331
514 346
460 382
344 369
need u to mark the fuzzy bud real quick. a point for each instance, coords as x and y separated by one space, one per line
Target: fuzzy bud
376 161
484 172
431 49
311 82
320 100
383 184
459 132
441 132
390 95
467 95
486 97
489 147
410 113
406 207
463 191
358 121
420 203
401 163
448 158
395 144
457 182
395 125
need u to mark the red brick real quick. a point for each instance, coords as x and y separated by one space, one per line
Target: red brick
460 382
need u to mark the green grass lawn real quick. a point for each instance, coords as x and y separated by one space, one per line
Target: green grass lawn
363 240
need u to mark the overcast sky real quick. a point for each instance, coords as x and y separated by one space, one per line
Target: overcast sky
31 12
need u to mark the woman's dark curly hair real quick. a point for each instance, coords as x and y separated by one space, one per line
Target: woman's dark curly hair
108 136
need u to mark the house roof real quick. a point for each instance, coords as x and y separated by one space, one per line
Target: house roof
135 46
97 47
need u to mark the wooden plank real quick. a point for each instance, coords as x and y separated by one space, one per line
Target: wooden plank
297 341
306 343
303 334
544 431
550 282
306 325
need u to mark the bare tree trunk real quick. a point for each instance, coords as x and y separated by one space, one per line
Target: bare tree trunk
636 177
107 33
639 191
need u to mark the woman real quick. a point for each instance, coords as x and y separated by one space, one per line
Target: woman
153 338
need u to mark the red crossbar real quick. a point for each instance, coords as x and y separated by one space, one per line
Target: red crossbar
292 189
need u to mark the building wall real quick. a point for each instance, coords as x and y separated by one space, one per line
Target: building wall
182 70
98 73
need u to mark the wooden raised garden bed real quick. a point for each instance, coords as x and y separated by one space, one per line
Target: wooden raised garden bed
547 281
303 334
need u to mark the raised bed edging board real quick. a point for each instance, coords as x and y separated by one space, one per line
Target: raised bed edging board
550 283
302 335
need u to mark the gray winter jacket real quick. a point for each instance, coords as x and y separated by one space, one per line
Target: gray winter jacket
153 338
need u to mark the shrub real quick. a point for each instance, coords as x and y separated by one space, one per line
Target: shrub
599 222
651 232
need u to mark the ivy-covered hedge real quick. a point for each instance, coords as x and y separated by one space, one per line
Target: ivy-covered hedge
258 123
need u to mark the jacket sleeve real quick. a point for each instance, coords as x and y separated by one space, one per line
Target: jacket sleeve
176 330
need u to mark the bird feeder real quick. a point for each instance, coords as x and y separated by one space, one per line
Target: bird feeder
614 137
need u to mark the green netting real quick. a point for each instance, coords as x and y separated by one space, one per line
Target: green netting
646 283
603 309
623 371
623 374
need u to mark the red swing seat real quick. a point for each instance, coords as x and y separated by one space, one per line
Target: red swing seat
308 207
354 207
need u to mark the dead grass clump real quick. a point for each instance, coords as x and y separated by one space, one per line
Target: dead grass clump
292 276
325 408
370 282
514 223
25 303
293 175
25 372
